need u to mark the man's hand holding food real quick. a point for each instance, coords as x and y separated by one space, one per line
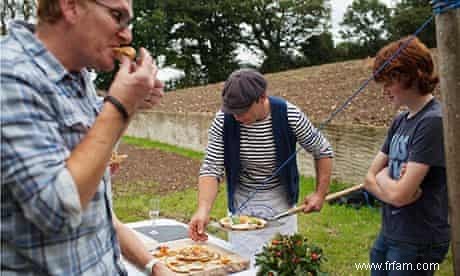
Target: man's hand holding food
136 85
115 162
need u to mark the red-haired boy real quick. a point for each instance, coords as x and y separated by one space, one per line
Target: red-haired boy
409 174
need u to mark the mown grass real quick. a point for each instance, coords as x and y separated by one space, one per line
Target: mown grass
344 233
149 144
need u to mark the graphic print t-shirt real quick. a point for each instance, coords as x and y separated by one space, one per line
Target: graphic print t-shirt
418 139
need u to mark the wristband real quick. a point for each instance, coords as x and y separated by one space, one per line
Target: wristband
117 104
149 266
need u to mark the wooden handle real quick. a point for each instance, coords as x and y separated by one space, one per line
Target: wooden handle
333 196
329 197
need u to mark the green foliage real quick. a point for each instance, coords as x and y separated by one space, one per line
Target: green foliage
367 23
202 37
149 27
410 15
318 49
104 79
279 28
14 9
290 255
348 50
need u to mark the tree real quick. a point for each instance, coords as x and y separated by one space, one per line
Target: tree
347 50
202 38
366 23
14 9
408 16
318 49
150 29
279 28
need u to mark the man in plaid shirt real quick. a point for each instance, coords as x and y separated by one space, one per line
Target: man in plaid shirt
57 137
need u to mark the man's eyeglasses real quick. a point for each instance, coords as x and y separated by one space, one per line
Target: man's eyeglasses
121 17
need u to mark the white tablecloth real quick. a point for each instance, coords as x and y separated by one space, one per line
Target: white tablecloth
132 270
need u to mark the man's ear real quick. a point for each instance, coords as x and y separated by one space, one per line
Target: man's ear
262 97
70 10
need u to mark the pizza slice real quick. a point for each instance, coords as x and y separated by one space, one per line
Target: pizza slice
129 52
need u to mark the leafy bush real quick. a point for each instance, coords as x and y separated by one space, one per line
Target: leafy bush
290 255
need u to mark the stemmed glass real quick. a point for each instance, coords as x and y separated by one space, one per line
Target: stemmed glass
154 210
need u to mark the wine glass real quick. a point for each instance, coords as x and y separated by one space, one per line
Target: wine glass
154 210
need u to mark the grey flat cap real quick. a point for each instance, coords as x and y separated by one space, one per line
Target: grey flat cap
241 90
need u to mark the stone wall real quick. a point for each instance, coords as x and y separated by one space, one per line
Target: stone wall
354 146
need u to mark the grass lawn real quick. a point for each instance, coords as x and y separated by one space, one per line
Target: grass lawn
344 233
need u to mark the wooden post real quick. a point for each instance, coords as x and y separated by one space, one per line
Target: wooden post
448 40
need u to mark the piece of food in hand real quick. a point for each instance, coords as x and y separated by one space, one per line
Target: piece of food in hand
242 222
130 52
117 158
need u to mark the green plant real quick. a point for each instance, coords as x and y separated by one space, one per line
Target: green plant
290 255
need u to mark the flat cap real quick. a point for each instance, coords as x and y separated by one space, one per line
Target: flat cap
242 88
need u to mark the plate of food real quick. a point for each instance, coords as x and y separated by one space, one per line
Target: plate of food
242 223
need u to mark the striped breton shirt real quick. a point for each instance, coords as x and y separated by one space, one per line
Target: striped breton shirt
258 151
46 112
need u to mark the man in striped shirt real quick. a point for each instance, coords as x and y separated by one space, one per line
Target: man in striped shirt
249 139
57 137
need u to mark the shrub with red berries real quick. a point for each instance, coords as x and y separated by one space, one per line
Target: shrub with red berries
290 255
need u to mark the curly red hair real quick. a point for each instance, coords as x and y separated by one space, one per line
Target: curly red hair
413 66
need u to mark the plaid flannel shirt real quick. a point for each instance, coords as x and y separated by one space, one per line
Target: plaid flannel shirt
46 111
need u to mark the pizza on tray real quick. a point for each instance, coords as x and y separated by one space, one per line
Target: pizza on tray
196 253
242 223
190 258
